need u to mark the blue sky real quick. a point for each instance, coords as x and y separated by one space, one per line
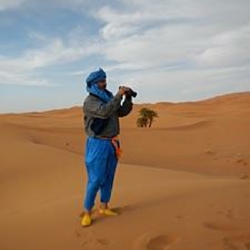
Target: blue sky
167 50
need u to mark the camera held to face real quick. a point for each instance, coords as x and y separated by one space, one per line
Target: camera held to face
130 93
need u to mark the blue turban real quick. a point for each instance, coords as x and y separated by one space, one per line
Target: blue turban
93 88
95 77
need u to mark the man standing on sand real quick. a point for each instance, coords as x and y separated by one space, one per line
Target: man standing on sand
101 119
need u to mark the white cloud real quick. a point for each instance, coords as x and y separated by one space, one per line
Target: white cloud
202 45
227 49
176 85
24 79
184 48
179 49
10 4
188 31
76 5
54 52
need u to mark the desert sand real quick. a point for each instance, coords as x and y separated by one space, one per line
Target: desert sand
183 184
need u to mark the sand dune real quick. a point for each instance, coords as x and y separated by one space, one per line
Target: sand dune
183 184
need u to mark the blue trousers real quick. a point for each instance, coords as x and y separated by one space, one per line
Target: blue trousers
101 163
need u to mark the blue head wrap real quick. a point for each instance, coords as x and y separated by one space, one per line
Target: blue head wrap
93 88
95 77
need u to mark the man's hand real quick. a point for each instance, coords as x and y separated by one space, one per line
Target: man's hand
123 90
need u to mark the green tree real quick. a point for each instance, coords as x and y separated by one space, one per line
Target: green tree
142 122
146 117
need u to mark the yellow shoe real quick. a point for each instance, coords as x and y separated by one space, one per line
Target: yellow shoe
108 212
86 220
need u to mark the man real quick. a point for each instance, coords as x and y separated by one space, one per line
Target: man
101 118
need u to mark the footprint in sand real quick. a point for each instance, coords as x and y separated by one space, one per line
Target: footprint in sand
209 152
241 242
97 244
242 161
245 177
220 226
155 242
78 235
103 242
228 213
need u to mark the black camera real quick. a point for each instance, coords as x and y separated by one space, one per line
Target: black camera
131 93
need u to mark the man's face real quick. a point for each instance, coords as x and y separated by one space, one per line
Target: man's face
102 84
